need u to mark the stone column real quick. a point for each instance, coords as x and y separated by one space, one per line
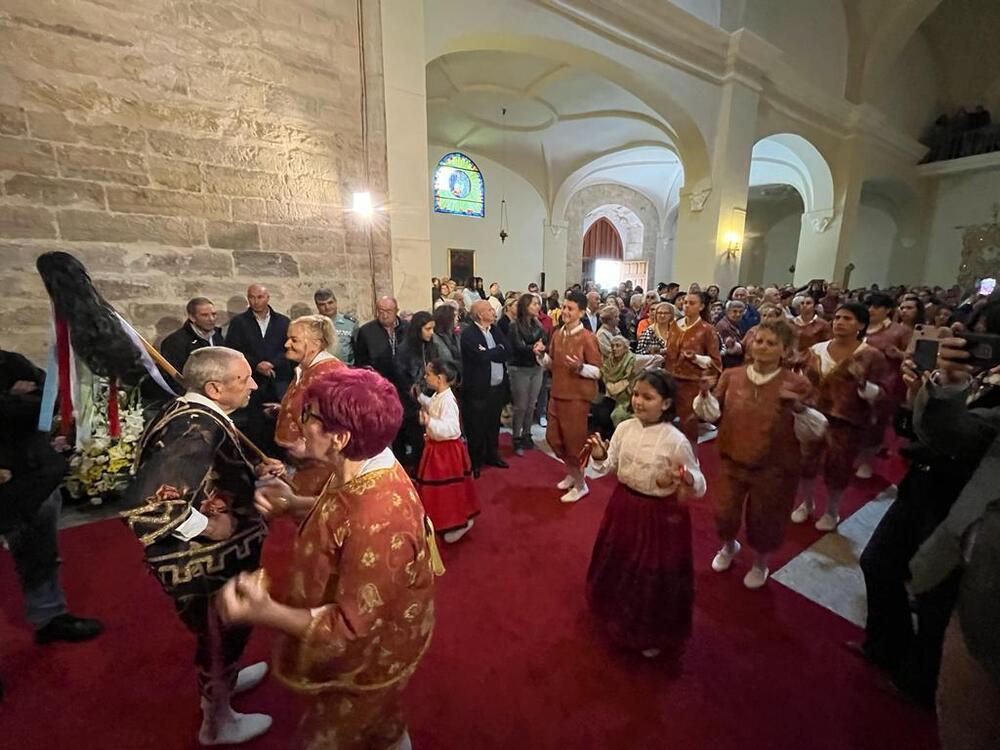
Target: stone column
406 150
708 213
826 242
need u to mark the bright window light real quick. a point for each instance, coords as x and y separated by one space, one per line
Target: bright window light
607 273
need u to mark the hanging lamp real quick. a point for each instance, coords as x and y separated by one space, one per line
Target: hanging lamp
504 234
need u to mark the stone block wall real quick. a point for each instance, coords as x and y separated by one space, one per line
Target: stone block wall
189 147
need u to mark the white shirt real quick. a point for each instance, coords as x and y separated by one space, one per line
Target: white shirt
263 323
640 455
595 322
444 423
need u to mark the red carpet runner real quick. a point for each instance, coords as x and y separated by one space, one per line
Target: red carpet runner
515 663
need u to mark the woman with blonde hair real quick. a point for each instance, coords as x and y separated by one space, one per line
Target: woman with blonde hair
653 339
310 341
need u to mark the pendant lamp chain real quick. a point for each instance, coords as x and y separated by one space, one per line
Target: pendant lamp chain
503 195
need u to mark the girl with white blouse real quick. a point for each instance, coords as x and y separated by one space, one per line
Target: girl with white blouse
640 582
444 479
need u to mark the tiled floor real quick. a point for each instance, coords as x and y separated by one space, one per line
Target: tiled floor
828 573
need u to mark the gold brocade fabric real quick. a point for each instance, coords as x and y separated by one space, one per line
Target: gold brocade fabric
362 556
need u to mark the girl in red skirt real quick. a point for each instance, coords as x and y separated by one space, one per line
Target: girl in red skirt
641 582
444 478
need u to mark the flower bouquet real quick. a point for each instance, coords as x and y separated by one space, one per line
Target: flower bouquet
101 463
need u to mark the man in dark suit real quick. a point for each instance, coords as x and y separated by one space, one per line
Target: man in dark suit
259 334
31 473
591 317
376 341
198 330
484 350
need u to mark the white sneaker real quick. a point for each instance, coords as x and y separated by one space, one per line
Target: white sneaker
724 558
250 677
543 422
234 728
566 483
756 577
575 494
651 653
803 513
404 742
864 471
827 523
455 534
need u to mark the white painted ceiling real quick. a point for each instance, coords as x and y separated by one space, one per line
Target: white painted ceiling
564 129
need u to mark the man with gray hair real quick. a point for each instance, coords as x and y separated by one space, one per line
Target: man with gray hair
190 503
326 304
484 351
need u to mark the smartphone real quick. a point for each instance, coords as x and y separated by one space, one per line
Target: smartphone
983 349
924 354
923 332
986 287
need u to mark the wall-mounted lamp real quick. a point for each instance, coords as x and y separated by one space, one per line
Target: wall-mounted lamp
734 243
362 205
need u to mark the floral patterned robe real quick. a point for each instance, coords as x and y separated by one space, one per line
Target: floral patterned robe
362 564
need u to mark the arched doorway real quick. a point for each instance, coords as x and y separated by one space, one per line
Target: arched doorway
614 247
790 207
602 253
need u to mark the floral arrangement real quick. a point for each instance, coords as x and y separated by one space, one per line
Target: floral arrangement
101 463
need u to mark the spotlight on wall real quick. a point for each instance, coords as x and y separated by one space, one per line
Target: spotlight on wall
734 244
362 205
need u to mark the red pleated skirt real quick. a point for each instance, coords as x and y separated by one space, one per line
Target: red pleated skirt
444 481
640 583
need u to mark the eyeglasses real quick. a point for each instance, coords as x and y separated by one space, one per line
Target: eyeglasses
308 414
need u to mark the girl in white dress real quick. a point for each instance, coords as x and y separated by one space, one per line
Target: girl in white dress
444 478
641 582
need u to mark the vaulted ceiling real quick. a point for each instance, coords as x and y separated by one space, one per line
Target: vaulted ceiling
562 124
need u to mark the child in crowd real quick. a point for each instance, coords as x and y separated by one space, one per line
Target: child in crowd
444 478
640 582
764 423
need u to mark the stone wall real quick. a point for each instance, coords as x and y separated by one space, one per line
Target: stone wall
189 147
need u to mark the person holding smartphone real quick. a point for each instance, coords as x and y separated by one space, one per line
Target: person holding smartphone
956 416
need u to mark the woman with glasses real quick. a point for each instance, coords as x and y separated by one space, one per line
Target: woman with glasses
654 339
358 614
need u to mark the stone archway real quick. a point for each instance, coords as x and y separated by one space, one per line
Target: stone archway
626 209
786 172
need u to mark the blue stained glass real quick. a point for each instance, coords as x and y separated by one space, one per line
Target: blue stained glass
458 186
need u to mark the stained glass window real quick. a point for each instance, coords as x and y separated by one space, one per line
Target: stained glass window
459 187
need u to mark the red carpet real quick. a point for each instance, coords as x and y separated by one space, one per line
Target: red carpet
516 663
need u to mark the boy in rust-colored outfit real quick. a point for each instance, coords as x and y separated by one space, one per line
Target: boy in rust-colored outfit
575 361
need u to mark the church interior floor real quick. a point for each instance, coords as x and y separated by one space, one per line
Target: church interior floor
516 660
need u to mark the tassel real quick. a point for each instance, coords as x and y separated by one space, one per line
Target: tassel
65 378
114 424
437 564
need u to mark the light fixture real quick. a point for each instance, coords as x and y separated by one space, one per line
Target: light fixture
733 244
362 205
504 234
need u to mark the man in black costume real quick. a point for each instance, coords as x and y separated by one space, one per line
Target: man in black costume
191 505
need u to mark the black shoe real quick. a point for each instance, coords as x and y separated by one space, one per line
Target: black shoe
499 463
475 473
69 628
